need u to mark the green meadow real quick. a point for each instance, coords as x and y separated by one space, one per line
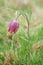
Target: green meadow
26 46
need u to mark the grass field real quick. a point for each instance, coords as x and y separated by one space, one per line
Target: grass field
22 49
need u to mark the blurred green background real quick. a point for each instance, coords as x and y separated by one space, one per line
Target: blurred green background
24 53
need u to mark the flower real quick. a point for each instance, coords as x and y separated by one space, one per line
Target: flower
13 26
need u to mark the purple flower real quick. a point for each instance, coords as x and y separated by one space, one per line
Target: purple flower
13 26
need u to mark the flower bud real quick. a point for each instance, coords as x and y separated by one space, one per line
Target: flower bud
13 26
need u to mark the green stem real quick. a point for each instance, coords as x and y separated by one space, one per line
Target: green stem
25 15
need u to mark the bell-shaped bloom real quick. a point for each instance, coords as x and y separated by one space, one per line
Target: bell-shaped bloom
13 26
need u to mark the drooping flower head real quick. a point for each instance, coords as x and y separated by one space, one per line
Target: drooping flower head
13 26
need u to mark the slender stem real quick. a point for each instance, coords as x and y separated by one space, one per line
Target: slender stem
26 19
